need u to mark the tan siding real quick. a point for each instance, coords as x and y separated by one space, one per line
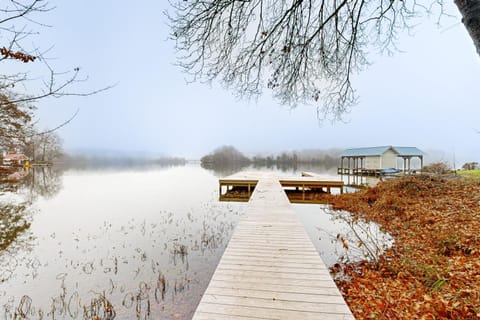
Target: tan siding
389 159
372 162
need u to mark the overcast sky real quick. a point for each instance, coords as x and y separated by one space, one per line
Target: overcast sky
425 96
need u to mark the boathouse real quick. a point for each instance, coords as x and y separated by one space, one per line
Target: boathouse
377 160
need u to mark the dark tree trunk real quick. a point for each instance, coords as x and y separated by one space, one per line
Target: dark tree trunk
470 10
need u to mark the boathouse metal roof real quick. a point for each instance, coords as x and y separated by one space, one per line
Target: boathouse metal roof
378 151
409 151
359 152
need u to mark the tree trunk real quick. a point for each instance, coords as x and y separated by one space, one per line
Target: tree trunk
470 10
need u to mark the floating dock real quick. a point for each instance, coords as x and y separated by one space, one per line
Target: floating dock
270 268
306 189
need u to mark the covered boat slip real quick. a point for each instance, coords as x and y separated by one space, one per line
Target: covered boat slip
270 268
378 161
306 189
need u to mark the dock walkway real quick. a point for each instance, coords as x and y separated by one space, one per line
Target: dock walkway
305 189
270 268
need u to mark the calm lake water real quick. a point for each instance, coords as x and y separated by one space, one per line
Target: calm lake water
137 243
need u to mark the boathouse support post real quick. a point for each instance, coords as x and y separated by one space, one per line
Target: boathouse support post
361 169
348 173
357 169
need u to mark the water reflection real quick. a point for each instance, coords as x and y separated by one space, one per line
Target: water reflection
43 182
16 212
39 181
340 238
14 221
224 170
124 245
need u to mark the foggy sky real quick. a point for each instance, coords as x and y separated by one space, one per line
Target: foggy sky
426 96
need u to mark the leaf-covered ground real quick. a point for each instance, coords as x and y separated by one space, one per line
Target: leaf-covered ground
433 269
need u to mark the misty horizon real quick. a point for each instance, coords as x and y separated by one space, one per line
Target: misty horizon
110 155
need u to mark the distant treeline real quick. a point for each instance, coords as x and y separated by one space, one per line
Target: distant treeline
225 155
91 162
228 155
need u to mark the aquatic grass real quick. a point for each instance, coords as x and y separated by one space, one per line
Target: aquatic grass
149 256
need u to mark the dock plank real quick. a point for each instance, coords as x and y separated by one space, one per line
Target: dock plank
278 288
268 313
293 274
270 268
277 263
273 295
317 283
271 304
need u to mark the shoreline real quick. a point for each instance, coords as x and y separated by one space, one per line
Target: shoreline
433 269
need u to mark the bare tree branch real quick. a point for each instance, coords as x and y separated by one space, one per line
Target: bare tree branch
304 51
46 132
19 90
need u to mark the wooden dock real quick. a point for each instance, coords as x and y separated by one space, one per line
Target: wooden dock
270 268
305 189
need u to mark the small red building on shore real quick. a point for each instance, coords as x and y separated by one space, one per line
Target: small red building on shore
15 159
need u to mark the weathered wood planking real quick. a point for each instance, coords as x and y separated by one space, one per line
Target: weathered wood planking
305 189
270 268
